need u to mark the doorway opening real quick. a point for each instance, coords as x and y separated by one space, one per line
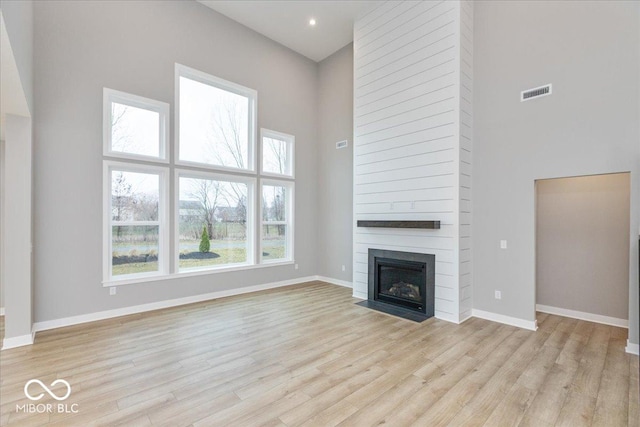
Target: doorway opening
582 247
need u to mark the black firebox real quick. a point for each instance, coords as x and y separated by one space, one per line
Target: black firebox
403 280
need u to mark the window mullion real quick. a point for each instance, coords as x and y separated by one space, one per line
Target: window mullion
135 223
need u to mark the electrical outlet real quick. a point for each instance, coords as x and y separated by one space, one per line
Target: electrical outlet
503 244
498 294
295 266
112 290
343 268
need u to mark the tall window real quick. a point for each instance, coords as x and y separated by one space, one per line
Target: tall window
277 160
216 121
233 201
136 227
276 243
136 234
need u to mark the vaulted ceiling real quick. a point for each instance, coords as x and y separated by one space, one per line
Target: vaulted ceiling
287 22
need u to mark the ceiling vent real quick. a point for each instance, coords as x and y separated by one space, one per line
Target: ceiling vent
536 92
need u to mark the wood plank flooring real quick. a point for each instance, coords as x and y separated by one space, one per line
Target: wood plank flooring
306 355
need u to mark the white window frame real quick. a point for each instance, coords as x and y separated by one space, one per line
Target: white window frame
208 79
171 170
162 223
251 220
290 140
162 108
289 222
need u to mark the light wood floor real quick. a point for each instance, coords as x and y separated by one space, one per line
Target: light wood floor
306 355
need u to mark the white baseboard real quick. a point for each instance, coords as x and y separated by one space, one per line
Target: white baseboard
590 317
19 341
447 317
464 319
108 314
1 311
531 325
335 281
633 348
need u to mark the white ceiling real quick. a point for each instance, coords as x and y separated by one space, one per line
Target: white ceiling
287 22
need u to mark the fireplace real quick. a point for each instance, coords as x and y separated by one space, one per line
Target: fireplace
403 282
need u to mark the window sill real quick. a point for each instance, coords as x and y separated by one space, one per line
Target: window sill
120 155
193 273
215 168
274 175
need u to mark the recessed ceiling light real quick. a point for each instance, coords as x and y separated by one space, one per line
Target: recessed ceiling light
312 22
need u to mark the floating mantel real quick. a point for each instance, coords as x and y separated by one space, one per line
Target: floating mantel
400 224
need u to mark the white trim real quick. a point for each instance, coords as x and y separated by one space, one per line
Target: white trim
531 325
110 96
19 341
590 317
290 140
289 222
633 348
136 223
333 281
210 80
251 183
193 273
164 237
206 167
1 311
215 176
108 314
466 318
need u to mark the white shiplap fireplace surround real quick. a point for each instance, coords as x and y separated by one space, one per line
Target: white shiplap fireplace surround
412 140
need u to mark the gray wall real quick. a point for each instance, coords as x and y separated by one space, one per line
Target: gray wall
2 181
335 167
582 244
17 230
590 52
81 47
18 17
17 268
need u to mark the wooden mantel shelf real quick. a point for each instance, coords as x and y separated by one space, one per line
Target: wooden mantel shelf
400 224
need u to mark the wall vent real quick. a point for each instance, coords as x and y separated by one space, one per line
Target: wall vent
536 92
341 144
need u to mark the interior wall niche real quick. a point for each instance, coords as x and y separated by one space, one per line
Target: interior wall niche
582 245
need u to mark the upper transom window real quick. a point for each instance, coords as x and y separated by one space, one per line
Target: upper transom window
216 121
277 153
135 127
